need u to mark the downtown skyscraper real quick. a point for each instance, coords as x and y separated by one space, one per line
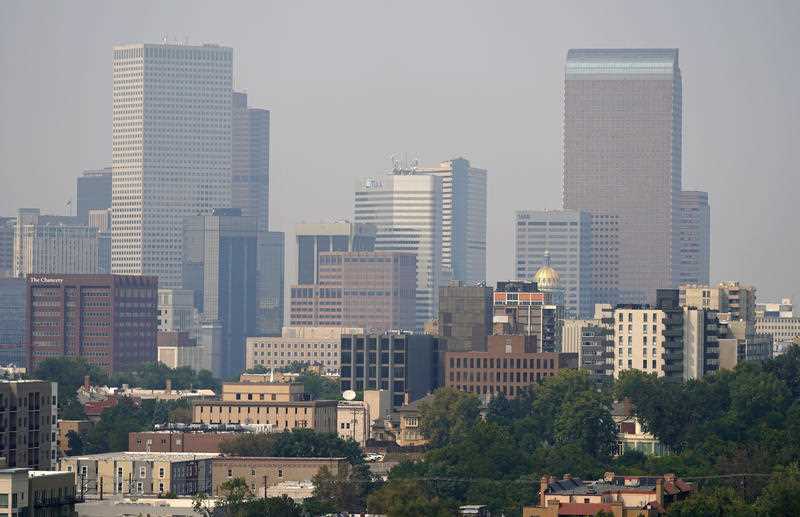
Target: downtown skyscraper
171 150
406 209
623 116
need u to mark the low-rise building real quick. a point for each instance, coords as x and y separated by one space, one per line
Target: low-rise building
179 441
273 406
631 436
407 431
263 473
510 363
622 496
37 493
67 426
141 473
317 346
353 421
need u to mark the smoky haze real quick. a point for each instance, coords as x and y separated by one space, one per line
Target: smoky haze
350 84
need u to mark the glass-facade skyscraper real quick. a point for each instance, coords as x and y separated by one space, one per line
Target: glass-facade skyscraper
623 115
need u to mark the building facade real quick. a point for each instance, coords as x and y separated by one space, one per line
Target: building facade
94 192
566 237
313 346
407 209
12 320
141 473
521 309
37 493
463 219
373 290
695 238
270 292
782 309
29 430
263 473
508 366
171 150
465 316
7 231
250 160
623 121
733 298
176 312
53 244
108 320
399 362
316 238
220 267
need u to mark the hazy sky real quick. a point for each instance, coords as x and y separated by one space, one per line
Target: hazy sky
352 83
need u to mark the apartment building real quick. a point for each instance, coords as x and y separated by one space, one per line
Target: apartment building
141 473
29 423
261 473
317 346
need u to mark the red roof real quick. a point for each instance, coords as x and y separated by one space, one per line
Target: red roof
95 408
583 509
677 487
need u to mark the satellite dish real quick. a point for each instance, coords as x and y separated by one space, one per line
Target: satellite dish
349 395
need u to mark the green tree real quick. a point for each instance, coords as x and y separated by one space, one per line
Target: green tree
74 443
781 496
297 443
319 387
234 495
722 501
345 490
407 497
448 414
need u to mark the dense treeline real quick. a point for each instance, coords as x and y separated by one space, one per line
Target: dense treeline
745 421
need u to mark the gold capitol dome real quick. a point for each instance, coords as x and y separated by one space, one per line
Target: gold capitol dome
546 277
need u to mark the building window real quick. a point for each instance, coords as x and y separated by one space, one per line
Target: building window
161 472
142 472
280 473
230 473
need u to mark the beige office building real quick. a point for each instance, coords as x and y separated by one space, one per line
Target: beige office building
270 406
571 334
318 346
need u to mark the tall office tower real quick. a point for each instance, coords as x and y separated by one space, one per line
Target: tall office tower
605 259
176 311
220 253
7 225
250 160
695 238
622 156
12 320
465 316
463 219
373 290
269 310
171 150
566 236
407 211
94 192
53 244
316 238
108 320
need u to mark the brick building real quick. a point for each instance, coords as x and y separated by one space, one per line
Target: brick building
260 473
509 364
177 441
373 290
108 320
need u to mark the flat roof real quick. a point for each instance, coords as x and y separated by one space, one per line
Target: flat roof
146 456
265 403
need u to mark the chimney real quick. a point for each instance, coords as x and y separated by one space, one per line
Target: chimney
168 387
669 478
552 479
627 404
568 477
407 398
87 383
660 491
543 484
608 477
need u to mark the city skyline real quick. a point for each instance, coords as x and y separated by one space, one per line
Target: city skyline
717 159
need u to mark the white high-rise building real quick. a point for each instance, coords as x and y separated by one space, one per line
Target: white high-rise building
53 244
171 150
463 220
407 212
